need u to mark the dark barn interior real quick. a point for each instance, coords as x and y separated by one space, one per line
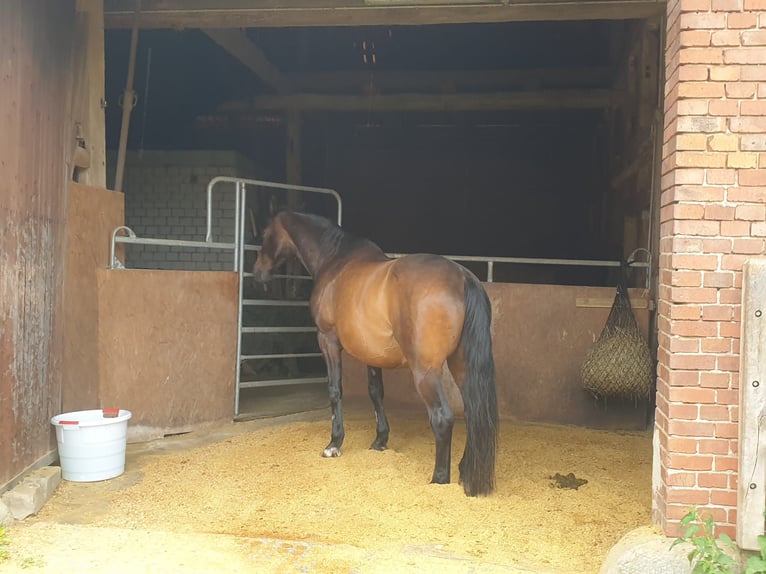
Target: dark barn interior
523 139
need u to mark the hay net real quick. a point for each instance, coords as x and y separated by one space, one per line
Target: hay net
619 365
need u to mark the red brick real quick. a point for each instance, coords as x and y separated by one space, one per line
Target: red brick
714 380
727 363
702 193
718 279
720 177
724 38
694 295
688 496
726 5
735 228
734 263
695 124
684 412
751 212
715 345
684 379
713 446
687 210
702 21
722 74
747 194
712 480
686 279
730 329
719 212
683 478
694 395
727 396
693 328
701 55
753 108
744 56
694 73
754 73
697 228
723 463
739 90
686 244
753 38
693 361
717 246
741 21
714 413
754 177
758 229
723 108
700 90
690 462
717 313
749 246
682 345
695 262
686 312
746 124
694 6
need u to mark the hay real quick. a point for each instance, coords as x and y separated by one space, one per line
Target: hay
273 483
619 365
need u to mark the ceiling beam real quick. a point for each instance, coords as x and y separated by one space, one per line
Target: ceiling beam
237 43
447 81
545 99
295 13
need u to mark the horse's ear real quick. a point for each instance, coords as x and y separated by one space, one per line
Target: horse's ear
253 225
273 206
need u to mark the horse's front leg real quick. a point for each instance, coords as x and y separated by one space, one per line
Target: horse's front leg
330 347
375 389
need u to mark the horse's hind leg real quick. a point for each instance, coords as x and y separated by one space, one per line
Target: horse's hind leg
331 350
375 389
440 415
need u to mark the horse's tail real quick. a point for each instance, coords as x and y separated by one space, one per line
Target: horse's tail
477 469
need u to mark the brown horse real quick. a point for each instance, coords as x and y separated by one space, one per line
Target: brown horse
417 311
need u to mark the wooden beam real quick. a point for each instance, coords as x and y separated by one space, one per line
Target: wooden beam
446 81
87 102
236 43
558 99
291 13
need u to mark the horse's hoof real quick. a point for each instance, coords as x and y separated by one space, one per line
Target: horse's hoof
377 446
331 452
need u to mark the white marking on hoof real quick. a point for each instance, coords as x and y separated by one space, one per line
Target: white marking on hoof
331 452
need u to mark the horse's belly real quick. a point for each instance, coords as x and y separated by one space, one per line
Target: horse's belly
375 349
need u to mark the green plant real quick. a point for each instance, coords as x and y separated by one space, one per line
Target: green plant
757 564
707 555
4 544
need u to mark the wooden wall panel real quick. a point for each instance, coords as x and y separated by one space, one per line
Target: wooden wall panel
35 44
168 348
92 215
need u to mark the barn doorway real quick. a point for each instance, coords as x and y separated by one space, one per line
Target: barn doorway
456 135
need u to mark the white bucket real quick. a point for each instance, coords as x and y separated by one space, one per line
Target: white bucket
92 443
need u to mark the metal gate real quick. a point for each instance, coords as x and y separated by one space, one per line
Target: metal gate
280 330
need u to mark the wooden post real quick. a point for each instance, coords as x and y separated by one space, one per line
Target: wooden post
88 94
751 485
127 102
293 165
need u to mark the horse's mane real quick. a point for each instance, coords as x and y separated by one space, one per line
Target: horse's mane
334 241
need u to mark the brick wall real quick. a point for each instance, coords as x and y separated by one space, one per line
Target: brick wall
165 197
712 219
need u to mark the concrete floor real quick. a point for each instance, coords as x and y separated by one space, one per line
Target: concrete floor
265 402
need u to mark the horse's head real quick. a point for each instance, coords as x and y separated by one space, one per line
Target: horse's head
277 247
